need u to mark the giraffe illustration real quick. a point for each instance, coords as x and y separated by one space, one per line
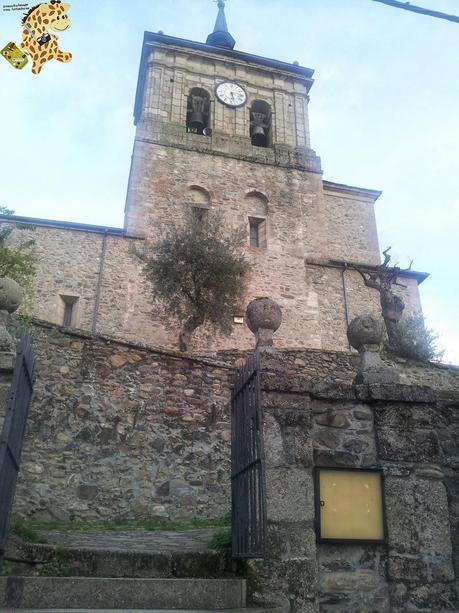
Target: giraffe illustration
37 42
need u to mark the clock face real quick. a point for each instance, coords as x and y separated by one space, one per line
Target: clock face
231 94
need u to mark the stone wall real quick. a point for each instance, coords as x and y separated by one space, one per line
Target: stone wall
410 434
119 431
104 276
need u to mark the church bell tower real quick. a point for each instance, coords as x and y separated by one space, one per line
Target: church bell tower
220 128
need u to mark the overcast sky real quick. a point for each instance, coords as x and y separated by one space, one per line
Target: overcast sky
384 115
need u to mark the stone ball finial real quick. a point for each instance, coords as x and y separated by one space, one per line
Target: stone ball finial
11 295
365 330
263 317
263 313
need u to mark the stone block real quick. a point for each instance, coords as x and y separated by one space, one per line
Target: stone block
407 416
290 495
414 569
334 418
290 582
408 446
427 597
354 581
291 539
418 525
333 458
397 393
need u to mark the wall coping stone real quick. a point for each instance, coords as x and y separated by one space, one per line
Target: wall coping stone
397 392
83 334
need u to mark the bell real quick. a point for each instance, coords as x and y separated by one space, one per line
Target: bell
258 136
196 121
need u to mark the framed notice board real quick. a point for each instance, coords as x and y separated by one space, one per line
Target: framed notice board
349 505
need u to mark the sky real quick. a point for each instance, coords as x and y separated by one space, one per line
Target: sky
384 114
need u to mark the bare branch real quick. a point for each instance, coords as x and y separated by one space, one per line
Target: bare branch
386 257
419 9
369 280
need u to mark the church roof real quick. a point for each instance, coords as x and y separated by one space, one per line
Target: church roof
150 38
65 225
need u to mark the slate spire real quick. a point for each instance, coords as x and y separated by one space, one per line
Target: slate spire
220 37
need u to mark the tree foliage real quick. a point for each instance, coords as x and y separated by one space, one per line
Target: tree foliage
198 272
414 340
16 261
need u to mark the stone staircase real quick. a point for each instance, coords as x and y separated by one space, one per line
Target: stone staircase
181 577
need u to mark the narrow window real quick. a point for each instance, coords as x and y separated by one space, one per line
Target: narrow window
199 213
257 232
198 111
68 312
260 124
69 304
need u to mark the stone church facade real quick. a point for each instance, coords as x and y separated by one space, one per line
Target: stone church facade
253 161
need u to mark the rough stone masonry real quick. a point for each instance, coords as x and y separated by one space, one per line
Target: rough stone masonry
118 430
313 229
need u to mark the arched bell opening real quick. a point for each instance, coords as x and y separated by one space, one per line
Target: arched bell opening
260 124
198 111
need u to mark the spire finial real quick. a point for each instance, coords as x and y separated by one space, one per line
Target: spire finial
220 37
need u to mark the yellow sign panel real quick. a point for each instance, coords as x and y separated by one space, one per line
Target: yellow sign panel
351 505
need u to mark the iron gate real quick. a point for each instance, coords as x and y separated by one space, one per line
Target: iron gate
248 486
17 409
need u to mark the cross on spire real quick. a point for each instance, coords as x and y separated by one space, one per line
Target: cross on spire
220 37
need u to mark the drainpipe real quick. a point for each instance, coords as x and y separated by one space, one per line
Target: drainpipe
346 311
99 281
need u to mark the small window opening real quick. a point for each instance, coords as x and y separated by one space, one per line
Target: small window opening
198 111
260 124
257 232
69 310
199 213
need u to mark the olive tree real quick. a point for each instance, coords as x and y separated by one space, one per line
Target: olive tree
198 271
413 340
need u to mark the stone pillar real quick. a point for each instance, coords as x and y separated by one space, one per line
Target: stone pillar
365 333
288 576
408 423
11 295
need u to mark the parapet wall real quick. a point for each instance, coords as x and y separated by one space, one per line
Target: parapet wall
120 430
341 366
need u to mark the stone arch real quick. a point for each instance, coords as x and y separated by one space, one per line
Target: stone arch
257 203
257 219
199 196
198 110
261 124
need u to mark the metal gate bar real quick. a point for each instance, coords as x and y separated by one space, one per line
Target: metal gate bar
249 520
12 437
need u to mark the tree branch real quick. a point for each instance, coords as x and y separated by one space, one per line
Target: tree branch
369 282
418 9
386 257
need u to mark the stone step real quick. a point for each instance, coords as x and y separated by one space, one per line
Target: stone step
120 594
82 562
264 610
